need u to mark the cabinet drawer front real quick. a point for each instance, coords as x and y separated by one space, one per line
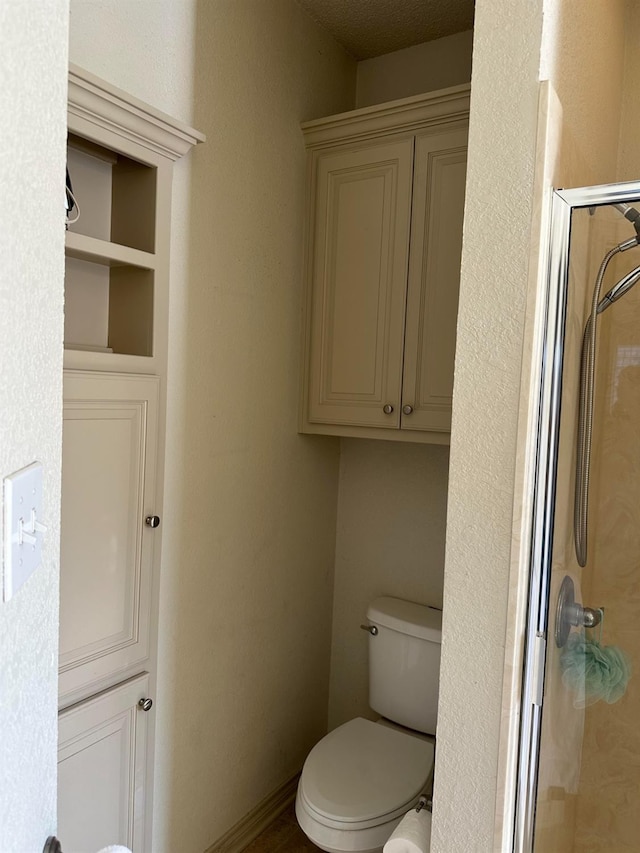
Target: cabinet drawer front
108 488
101 767
434 278
358 266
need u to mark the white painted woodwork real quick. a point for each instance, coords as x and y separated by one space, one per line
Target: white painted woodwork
406 115
86 303
107 551
121 154
113 277
363 207
101 770
91 180
383 266
120 158
98 109
110 254
434 278
415 436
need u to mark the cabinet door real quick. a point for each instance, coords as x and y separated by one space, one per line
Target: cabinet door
434 278
101 770
359 267
107 551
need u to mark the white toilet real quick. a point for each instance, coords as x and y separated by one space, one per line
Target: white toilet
359 780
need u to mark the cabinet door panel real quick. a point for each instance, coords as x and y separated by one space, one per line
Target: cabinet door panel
359 266
434 278
101 755
108 487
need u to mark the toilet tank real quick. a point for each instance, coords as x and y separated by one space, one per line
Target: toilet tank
404 662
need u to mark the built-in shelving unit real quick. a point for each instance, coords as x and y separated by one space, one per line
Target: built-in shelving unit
120 155
120 158
112 265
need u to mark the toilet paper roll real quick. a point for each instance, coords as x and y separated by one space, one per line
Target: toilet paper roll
412 834
114 848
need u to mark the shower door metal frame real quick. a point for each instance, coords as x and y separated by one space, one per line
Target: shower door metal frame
547 424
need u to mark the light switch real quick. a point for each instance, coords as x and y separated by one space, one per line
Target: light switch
23 527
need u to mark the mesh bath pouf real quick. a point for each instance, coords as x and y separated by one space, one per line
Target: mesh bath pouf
593 671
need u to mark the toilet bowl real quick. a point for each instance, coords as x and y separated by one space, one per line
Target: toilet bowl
358 782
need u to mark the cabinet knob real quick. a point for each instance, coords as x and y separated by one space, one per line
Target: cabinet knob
406 410
146 704
152 521
388 409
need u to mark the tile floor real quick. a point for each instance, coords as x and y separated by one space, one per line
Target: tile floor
283 836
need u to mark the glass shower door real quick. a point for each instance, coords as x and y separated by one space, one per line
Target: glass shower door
580 746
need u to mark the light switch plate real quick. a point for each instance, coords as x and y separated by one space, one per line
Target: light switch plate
22 540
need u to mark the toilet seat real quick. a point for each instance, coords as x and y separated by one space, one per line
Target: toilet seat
363 775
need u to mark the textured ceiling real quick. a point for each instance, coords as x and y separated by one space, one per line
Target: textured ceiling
368 28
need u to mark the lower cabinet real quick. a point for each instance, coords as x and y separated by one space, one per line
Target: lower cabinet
101 770
109 556
109 452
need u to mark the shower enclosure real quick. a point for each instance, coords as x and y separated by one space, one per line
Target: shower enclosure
579 764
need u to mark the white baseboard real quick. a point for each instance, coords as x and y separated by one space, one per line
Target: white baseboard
252 824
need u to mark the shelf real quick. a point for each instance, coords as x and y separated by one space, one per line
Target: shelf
115 194
109 254
111 265
109 298
88 348
82 359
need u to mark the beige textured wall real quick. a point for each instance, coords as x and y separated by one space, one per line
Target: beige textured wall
249 530
628 161
493 299
32 141
581 57
390 541
423 68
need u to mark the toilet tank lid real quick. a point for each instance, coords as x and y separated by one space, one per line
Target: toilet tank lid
406 617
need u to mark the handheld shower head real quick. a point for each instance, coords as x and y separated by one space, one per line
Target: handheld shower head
587 386
631 214
619 289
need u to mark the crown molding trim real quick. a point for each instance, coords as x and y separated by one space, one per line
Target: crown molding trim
407 114
97 102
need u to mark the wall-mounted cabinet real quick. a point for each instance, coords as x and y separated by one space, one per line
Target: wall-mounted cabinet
383 268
